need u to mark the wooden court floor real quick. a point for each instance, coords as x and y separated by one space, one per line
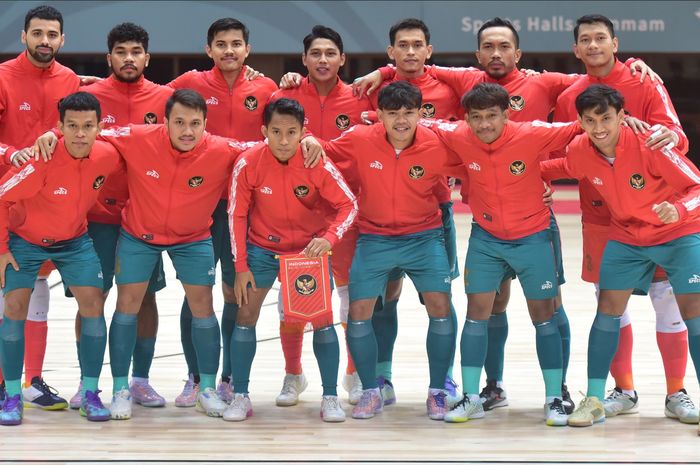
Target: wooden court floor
401 434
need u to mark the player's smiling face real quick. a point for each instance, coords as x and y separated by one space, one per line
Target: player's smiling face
323 60
497 52
128 60
400 125
595 46
410 51
603 128
79 130
229 50
185 127
283 134
487 124
43 39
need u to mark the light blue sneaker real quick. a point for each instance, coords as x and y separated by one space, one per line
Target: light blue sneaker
454 395
92 407
12 411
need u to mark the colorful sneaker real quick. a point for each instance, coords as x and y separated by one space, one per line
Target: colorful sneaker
679 405
555 414
292 386
387 388
436 404
620 403
3 394
209 402
41 395
331 410
240 409
492 396
370 404
225 391
12 411
92 407
589 411
465 410
566 401
188 396
120 408
143 394
353 385
453 393
76 401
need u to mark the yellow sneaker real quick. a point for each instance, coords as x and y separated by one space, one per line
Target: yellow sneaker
589 411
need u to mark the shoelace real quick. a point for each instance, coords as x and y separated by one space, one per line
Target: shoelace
12 402
462 403
557 406
45 388
440 399
332 403
287 387
93 399
189 387
685 400
366 399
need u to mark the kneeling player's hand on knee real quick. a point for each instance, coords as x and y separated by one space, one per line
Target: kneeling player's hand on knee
6 259
317 247
667 212
240 286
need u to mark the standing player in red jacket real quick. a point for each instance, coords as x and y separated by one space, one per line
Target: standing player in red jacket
126 96
30 87
596 45
329 109
235 108
275 207
43 208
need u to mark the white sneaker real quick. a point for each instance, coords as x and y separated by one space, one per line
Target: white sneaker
353 385
292 386
209 402
240 409
554 413
76 401
465 410
120 408
679 405
620 403
331 410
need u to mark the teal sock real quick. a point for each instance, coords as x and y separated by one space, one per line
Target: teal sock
495 353
186 339
548 342
472 346
363 348
228 321
206 337
122 339
565 331
327 352
143 356
386 326
243 347
440 345
602 345
12 353
89 384
77 348
93 334
693 325
453 318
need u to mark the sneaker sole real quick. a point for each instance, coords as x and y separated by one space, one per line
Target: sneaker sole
555 423
332 419
363 416
74 406
583 425
185 405
209 413
499 404
11 422
151 404
284 403
58 406
248 415
670 414
99 418
121 416
438 417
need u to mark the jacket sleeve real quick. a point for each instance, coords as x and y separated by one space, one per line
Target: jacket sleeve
17 184
682 174
460 80
238 205
119 137
336 191
6 151
552 137
556 168
660 110
341 151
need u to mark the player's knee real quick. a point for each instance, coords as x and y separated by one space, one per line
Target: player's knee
437 304
16 306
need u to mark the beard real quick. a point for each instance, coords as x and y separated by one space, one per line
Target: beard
42 57
127 79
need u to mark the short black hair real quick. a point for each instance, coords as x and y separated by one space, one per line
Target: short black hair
79 101
323 32
399 94
188 98
498 22
284 106
485 95
46 12
127 32
225 24
599 97
409 23
593 19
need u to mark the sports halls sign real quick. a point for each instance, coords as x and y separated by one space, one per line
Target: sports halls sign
279 26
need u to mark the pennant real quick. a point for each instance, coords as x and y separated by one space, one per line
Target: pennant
306 289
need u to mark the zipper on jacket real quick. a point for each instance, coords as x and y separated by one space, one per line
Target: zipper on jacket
170 198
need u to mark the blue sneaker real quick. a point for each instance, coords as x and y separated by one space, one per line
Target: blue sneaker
454 395
92 407
387 389
12 411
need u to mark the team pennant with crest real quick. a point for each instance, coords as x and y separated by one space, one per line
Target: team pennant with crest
306 289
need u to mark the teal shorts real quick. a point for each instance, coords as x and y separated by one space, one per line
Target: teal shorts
221 239
104 237
265 267
421 255
490 260
75 260
625 266
193 261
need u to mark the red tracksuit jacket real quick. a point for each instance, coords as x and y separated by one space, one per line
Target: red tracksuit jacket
277 206
637 179
140 102
46 203
172 194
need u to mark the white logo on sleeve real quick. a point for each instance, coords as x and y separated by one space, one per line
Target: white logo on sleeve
109 119
694 280
61 191
474 166
597 181
212 101
376 165
547 285
153 174
266 190
25 106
